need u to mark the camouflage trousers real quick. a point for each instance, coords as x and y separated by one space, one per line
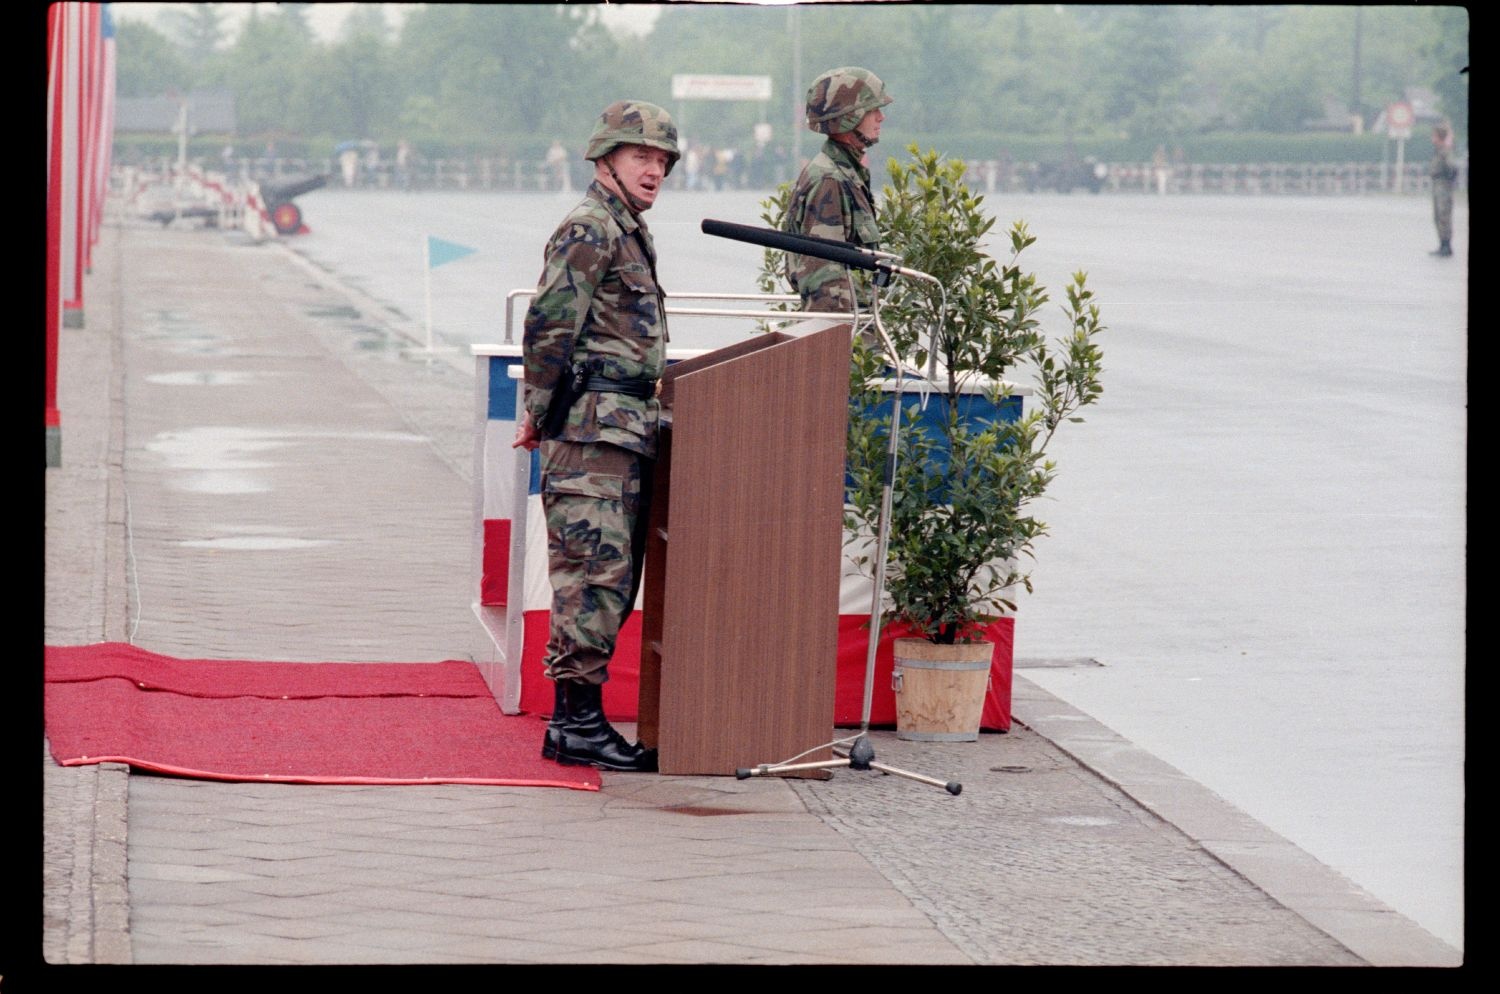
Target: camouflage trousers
1442 210
597 500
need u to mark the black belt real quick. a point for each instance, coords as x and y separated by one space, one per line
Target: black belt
635 387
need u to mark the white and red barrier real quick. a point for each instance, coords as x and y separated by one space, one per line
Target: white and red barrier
190 191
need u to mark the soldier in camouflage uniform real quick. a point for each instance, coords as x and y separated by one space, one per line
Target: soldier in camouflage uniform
832 198
1443 172
595 349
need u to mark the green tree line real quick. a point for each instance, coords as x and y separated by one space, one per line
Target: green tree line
970 79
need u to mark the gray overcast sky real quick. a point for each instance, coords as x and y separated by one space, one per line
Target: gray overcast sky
327 18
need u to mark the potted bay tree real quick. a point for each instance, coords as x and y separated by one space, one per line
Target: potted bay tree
971 461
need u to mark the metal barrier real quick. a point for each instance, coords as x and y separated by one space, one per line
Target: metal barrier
770 316
214 198
1275 178
990 176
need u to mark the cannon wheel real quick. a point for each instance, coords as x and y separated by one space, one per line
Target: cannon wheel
287 218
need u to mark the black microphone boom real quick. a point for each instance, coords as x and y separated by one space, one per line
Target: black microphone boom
851 255
819 248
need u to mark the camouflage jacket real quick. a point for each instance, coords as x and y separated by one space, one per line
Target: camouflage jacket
1441 168
598 302
832 199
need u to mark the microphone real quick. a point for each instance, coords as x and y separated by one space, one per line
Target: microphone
821 248
831 249
849 254
835 243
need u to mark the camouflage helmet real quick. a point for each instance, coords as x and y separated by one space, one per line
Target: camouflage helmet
634 122
840 98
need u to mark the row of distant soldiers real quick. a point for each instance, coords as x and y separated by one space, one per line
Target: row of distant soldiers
767 165
704 167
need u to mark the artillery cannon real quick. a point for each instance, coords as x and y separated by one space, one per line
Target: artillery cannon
285 215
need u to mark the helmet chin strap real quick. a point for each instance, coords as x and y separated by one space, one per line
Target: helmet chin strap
857 138
636 206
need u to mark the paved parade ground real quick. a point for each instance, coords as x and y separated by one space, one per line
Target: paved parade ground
1240 724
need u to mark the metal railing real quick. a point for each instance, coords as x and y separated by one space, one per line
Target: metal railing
1275 178
765 314
989 176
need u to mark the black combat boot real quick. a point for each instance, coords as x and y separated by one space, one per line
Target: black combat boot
587 739
555 724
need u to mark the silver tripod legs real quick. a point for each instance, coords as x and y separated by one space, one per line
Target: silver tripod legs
859 756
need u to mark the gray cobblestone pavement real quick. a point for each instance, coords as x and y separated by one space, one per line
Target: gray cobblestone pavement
256 464
1037 839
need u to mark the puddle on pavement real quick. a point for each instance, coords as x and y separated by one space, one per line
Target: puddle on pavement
214 448
173 331
221 459
226 446
204 378
342 311
1063 663
223 484
256 543
367 337
190 345
371 339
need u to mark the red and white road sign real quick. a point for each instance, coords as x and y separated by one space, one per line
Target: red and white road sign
1399 118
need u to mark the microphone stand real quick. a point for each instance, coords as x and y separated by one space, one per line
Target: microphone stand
859 754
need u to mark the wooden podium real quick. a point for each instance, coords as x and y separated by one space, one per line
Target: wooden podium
739 634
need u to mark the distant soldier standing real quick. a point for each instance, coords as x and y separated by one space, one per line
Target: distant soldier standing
595 349
832 197
1443 173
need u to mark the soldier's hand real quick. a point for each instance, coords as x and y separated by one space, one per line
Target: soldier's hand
526 434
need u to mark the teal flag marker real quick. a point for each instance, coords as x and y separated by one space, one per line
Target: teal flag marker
435 252
439 251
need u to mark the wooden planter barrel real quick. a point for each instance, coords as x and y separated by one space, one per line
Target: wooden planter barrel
940 689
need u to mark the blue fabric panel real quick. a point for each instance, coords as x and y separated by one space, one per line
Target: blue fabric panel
502 399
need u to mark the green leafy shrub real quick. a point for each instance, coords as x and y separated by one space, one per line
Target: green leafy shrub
964 483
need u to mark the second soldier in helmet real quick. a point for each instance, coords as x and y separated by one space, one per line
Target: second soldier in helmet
832 196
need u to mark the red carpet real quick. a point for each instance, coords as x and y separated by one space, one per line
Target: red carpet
326 723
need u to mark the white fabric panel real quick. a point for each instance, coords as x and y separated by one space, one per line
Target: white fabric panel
499 467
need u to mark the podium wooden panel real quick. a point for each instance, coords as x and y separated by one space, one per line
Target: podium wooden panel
739 635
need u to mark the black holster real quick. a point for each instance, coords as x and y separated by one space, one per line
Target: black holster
579 381
569 389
